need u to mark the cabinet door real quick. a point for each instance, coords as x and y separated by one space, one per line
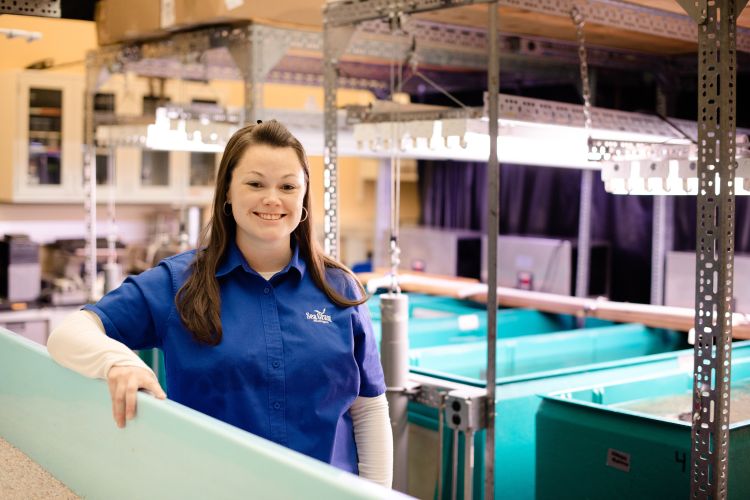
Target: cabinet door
201 179
48 154
147 176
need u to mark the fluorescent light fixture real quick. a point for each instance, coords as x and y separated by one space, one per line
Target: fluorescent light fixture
659 177
468 139
170 132
636 153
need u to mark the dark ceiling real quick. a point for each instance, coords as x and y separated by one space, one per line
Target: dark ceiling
78 9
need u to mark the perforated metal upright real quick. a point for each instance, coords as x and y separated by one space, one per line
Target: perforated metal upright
89 173
717 74
41 8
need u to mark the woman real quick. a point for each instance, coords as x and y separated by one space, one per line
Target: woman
258 327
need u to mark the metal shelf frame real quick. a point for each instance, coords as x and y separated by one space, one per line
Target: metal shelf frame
251 52
714 27
339 21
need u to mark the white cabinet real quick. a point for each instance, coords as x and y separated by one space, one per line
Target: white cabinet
41 136
152 176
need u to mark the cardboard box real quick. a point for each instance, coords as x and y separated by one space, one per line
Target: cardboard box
290 12
127 20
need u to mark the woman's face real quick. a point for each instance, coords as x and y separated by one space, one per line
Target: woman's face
266 194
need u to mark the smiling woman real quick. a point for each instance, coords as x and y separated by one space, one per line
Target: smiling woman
258 327
266 195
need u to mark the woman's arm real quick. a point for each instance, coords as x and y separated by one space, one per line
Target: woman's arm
80 344
374 438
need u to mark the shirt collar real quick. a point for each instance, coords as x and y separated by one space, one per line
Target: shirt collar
233 259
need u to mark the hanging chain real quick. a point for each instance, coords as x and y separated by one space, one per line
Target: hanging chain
587 176
396 75
580 21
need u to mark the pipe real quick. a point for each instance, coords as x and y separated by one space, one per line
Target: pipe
394 352
454 463
468 462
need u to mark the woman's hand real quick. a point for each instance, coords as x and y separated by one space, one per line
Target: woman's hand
124 383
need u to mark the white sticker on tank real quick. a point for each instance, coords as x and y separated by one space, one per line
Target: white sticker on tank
468 322
618 460
233 4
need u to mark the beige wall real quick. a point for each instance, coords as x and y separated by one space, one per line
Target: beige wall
63 40
67 42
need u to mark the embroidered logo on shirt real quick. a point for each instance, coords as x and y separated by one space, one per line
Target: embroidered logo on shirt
319 316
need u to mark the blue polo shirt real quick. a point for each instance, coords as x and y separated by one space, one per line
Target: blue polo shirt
290 363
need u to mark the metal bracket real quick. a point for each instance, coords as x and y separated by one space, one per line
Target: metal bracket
339 38
696 9
431 396
465 410
269 47
411 389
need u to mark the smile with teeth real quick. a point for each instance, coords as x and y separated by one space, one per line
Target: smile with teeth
265 216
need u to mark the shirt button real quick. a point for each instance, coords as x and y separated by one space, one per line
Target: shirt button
276 364
276 406
266 290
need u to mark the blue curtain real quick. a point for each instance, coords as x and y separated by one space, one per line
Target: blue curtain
544 202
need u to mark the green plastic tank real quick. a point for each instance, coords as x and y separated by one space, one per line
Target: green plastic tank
528 366
632 439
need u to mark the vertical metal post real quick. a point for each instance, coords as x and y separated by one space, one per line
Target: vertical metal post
661 235
330 148
584 234
454 462
383 185
717 73
659 243
241 50
251 92
89 175
493 176
468 463
441 437
394 350
112 270
587 176
256 72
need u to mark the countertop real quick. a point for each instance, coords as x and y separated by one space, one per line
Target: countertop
23 479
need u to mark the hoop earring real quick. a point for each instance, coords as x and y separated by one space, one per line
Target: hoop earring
224 209
303 219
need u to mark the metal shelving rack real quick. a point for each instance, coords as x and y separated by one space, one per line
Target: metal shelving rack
718 39
251 53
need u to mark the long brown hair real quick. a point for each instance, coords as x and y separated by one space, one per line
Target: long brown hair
198 300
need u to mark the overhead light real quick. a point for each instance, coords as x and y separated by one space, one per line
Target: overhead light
659 177
173 132
468 139
174 129
658 169
636 153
